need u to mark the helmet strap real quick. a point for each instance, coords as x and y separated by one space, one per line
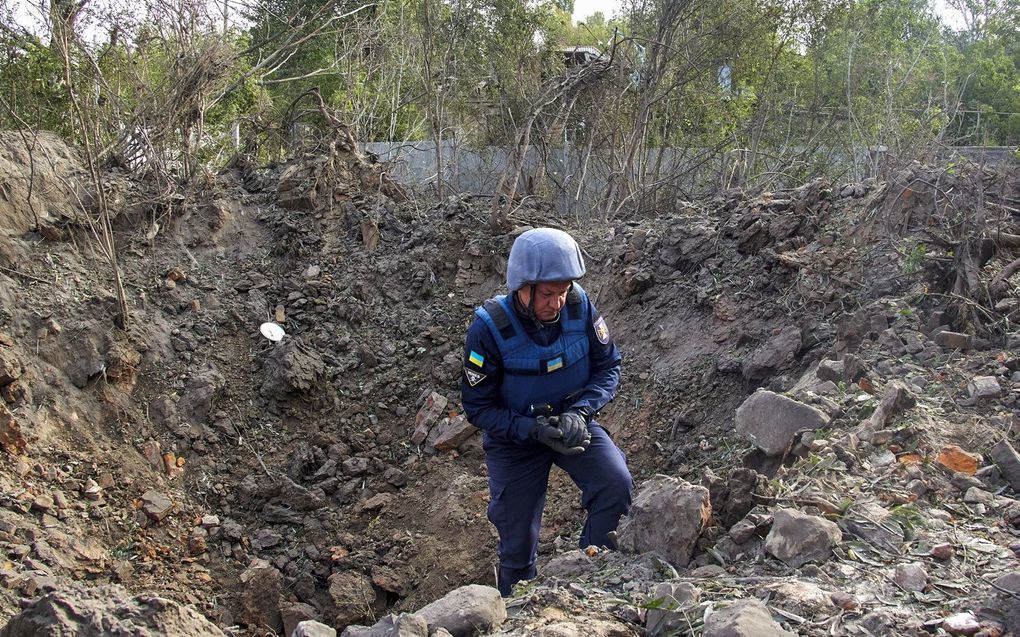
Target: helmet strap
530 309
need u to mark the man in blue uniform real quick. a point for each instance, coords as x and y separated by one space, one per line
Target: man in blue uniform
539 364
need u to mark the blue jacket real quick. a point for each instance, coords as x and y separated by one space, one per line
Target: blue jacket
511 364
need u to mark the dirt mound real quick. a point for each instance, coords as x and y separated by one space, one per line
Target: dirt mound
189 453
106 610
43 181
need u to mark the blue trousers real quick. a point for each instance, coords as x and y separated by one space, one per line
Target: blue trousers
518 479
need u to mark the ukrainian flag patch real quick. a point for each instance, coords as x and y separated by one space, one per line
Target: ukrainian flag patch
476 358
554 364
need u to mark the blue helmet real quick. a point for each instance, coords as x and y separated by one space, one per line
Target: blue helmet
543 255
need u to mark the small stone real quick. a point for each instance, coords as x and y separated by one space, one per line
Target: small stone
209 521
942 551
975 495
91 490
843 600
957 460
961 624
42 502
156 505
911 577
982 387
798 538
312 628
953 340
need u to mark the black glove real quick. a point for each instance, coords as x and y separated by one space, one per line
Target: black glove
546 432
574 428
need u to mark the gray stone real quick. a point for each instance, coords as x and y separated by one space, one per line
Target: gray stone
984 387
798 538
667 516
772 421
312 628
295 613
874 524
466 610
406 625
666 618
953 340
910 577
1008 461
896 399
106 610
777 353
743 618
974 495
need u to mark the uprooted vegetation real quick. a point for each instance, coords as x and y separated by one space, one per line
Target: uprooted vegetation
331 476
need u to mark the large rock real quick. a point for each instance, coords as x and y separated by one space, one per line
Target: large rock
466 610
667 517
743 618
798 538
107 610
260 598
772 421
1006 458
353 597
291 369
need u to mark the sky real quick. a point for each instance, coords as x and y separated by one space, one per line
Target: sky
584 8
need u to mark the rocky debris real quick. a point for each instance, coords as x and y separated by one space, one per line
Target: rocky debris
450 433
1002 604
199 398
404 625
106 610
953 340
776 354
772 421
961 624
958 460
671 600
804 599
798 538
156 505
11 438
311 628
984 387
352 597
260 597
743 618
291 369
667 516
874 524
1008 461
911 577
895 399
466 610
432 407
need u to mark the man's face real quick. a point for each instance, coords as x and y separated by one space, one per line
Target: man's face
549 298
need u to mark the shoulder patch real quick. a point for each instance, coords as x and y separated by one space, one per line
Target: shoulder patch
472 376
601 330
476 358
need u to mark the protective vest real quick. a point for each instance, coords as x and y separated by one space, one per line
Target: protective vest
533 374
